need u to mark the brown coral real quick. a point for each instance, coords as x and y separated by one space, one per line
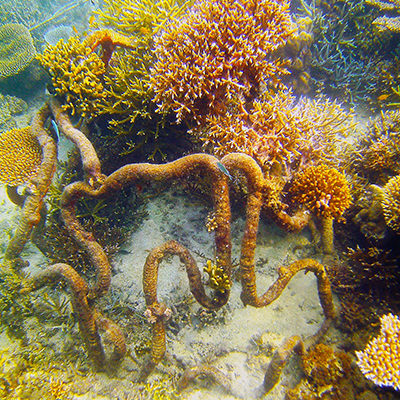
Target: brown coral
391 203
220 51
20 156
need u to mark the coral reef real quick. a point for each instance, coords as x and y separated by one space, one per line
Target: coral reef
379 360
325 192
391 203
217 54
20 156
16 49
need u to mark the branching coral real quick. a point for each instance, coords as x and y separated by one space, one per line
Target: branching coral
379 361
325 192
280 131
16 49
391 203
76 72
218 52
20 156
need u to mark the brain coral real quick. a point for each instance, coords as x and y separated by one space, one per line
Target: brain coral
380 360
391 203
20 156
323 190
221 49
16 49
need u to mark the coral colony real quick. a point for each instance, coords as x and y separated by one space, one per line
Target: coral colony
218 83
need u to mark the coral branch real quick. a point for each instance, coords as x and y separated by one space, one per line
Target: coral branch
157 312
31 210
85 313
90 160
132 173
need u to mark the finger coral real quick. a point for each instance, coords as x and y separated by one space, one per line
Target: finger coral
379 361
391 203
16 49
20 156
77 74
220 50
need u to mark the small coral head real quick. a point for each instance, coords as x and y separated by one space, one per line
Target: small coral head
391 203
323 190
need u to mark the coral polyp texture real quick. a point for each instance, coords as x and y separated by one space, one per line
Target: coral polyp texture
20 156
16 49
219 51
323 190
391 203
379 361
280 130
76 72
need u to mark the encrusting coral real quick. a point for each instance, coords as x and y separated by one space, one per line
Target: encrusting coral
391 203
16 49
20 156
325 192
217 53
379 361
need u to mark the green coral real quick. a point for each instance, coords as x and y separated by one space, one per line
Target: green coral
16 49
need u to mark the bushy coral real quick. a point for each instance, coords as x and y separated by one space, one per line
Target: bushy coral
20 156
76 72
280 131
323 190
219 51
391 203
379 361
16 49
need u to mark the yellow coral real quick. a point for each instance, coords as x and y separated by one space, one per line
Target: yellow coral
391 203
76 73
219 280
16 49
221 50
380 359
20 156
323 190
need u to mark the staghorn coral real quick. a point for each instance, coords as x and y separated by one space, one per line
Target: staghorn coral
20 156
16 49
218 52
325 192
77 75
379 360
391 203
281 132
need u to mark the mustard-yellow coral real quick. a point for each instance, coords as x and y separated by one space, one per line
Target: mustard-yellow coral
380 360
222 49
391 203
16 49
76 73
20 156
323 190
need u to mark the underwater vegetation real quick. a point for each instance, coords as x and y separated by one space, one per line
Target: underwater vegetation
227 79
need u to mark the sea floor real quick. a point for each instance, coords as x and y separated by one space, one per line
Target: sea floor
237 340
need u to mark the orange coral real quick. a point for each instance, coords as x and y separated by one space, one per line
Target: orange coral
323 190
108 40
380 360
20 156
221 50
280 130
